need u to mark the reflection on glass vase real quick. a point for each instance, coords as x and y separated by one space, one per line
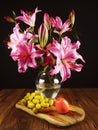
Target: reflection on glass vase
49 85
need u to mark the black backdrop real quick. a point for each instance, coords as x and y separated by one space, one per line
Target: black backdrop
86 24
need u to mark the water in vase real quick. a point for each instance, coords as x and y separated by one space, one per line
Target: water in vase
50 92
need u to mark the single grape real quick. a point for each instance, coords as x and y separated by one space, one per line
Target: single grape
35 101
28 94
46 104
46 100
43 104
37 92
30 104
30 97
37 97
33 94
38 106
51 102
34 110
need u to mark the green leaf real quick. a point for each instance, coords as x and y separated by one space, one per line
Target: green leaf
35 40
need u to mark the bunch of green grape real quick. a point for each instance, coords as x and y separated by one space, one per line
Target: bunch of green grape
36 101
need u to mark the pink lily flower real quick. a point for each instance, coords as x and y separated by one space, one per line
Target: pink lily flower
59 26
66 54
28 18
26 55
16 37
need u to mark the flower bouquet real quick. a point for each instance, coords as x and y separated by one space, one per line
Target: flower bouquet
52 47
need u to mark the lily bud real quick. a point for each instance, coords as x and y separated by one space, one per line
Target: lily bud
9 19
72 17
47 21
43 35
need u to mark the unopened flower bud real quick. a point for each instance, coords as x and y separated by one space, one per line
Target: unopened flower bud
47 21
72 18
43 35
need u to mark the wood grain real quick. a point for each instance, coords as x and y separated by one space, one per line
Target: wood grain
14 119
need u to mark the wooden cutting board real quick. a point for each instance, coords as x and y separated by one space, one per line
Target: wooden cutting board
76 114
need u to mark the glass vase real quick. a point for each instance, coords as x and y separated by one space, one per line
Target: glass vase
48 85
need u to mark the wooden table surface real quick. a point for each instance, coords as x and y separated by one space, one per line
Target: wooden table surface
15 119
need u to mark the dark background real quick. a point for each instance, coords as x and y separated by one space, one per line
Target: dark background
86 24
